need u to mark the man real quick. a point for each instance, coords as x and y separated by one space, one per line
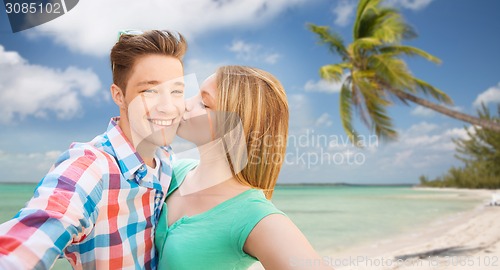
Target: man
100 202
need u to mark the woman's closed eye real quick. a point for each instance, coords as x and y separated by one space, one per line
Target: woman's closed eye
204 106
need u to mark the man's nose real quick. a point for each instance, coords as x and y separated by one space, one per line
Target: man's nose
165 103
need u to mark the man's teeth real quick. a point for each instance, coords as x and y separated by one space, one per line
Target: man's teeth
161 122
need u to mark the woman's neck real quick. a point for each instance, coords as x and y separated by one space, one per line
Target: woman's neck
212 170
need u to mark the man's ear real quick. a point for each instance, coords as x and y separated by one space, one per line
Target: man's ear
117 95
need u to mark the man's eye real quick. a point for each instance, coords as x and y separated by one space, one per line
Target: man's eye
177 91
149 91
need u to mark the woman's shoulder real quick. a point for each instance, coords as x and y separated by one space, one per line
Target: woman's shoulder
255 205
252 208
183 164
180 169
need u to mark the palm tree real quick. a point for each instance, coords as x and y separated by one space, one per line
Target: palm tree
373 74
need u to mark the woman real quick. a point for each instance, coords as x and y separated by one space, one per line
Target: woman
218 214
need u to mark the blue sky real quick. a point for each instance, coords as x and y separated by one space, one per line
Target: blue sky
55 78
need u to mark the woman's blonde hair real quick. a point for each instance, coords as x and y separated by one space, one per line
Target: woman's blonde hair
259 100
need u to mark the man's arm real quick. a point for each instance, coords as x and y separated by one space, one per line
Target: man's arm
61 211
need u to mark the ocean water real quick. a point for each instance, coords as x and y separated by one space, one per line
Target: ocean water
335 218
332 217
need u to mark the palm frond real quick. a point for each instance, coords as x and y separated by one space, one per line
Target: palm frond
363 87
381 121
410 51
358 101
426 88
389 26
365 8
346 112
334 41
392 71
377 70
366 43
375 103
334 72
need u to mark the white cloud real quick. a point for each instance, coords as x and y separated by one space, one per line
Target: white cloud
323 86
491 95
429 139
92 26
422 111
272 58
344 12
402 157
298 102
455 108
424 148
422 128
409 4
426 112
10 58
252 52
201 69
459 133
34 90
325 120
301 116
15 163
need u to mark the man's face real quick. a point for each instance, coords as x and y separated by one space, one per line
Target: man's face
154 100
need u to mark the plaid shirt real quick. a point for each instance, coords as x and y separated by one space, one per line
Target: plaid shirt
95 205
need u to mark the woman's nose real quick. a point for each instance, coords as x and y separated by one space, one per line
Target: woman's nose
190 102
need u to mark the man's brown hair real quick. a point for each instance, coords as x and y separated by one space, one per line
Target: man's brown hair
130 47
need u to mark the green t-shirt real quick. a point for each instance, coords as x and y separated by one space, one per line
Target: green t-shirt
213 239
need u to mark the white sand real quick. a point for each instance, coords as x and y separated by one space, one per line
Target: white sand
469 240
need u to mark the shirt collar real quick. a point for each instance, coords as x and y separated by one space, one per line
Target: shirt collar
128 159
131 164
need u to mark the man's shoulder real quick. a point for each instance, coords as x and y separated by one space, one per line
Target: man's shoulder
95 149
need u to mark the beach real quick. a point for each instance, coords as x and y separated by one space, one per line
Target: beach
468 240
374 227
464 240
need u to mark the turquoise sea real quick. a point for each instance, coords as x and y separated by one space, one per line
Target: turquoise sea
339 217
332 217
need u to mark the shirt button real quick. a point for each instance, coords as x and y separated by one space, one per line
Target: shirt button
142 168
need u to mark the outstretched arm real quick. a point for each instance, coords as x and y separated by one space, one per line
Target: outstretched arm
279 244
60 212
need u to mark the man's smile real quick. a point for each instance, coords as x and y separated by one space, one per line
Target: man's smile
162 122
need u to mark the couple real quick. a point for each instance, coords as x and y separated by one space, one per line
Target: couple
102 202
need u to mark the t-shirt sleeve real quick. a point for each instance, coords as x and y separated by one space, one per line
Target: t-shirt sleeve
250 214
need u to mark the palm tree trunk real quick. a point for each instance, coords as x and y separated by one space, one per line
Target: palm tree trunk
449 112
